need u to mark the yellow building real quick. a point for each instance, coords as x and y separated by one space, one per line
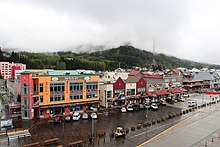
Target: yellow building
58 92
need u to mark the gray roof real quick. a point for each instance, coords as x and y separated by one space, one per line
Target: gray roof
201 76
154 81
132 79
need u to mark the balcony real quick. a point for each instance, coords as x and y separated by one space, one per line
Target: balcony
36 104
36 94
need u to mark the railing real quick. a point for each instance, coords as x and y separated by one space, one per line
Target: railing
15 104
36 103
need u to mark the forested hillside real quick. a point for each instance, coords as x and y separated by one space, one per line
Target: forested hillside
123 56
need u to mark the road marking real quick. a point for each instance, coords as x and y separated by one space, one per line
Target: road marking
13 132
165 131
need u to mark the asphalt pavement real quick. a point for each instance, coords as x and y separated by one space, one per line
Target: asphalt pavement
200 129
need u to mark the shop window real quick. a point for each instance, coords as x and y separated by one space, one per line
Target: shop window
41 112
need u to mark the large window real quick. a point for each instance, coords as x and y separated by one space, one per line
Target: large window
57 87
76 86
140 90
119 92
92 86
25 89
76 96
130 92
55 98
92 95
41 87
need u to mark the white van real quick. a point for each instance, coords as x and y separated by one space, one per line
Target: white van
192 103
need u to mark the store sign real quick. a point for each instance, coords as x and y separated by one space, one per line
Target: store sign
73 78
6 123
87 78
54 79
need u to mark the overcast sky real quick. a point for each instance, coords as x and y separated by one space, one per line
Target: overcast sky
187 29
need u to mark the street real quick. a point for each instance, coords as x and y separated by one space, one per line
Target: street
81 130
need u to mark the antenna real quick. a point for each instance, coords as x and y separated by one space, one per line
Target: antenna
154 61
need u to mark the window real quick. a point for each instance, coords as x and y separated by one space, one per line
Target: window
76 97
92 86
119 92
25 89
140 90
130 92
41 112
55 98
41 99
92 95
109 94
41 87
76 87
57 87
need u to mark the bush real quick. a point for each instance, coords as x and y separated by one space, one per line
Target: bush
184 112
154 121
163 118
138 126
158 120
132 128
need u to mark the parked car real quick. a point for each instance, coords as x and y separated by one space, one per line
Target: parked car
135 107
141 106
119 132
85 115
130 108
147 105
192 103
76 116
123 109
93 115
68 118
154 106
182 99
163 103
58 119
185 95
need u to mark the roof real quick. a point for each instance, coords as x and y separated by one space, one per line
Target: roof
134 73
132 79
155 76
154 81
200 76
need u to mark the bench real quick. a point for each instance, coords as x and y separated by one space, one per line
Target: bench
34 144
76 143
51 141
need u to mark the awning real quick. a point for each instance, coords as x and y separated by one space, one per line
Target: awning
211 92
175 91
70 104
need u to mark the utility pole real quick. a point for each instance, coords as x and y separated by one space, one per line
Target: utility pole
154 61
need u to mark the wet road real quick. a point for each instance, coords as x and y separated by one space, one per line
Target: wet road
200 129
81 130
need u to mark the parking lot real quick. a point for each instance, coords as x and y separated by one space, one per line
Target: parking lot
107 122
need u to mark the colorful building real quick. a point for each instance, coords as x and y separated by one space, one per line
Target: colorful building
58 92
6 68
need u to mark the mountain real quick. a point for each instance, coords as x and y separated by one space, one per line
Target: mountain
110 59
130 56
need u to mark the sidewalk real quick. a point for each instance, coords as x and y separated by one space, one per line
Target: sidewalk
194 131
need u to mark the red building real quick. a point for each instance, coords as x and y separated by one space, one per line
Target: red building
119 87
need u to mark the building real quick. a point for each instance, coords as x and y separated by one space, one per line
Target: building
6 69
58 92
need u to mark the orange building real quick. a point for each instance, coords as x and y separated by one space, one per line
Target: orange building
58 92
